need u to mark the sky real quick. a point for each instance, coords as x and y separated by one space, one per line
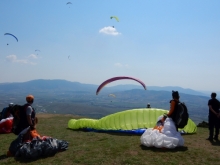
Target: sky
162 43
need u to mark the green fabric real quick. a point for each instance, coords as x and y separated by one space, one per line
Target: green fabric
115 18
127 120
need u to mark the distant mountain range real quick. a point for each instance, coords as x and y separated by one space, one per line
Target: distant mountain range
63 85
61 96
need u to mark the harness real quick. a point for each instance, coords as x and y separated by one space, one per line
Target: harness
23 117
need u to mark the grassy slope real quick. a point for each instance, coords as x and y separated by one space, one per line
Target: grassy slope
102 148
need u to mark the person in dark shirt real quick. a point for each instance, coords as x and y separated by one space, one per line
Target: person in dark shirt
148 105
27 116
6 112
214 117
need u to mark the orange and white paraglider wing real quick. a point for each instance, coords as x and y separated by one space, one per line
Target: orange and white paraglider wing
118 78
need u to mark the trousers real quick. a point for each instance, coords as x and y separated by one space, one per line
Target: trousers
214 123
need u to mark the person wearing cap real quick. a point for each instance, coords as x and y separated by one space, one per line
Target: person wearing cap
30 112
27 115
214 117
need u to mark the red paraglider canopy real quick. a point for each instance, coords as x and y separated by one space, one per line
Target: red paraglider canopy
118 78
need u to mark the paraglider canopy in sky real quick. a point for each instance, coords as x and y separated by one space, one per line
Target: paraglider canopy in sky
115 17
118 78
112 95
37 50
12 36
68 3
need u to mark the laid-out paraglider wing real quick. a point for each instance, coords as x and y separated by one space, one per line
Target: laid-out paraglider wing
118 78
128 120
12 36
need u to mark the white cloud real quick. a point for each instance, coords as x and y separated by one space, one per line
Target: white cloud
11 58
120 65
109 30
14 59
33 56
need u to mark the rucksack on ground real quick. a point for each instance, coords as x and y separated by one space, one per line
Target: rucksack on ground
181 115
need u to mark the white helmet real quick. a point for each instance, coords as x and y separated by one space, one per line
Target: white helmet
11 104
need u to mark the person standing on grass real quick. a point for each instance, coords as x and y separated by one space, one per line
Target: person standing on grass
26 116
214 117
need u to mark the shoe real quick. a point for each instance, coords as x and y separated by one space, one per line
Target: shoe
210 139
216 138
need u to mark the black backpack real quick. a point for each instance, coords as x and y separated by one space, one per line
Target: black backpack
181 115
17 112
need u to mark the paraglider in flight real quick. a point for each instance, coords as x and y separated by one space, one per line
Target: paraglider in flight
69 3
112 95
37 50
69 57
12 36
115 18
118 78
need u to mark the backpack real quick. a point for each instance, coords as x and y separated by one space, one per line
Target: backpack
17 112
181 115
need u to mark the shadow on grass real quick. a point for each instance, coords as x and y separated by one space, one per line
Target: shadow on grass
215 143
188 134
177 149
29 160
3 157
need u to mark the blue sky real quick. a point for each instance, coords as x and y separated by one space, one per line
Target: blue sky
162 43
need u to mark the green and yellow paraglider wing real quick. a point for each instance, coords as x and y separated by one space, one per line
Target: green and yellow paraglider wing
190 127
128 120
115 17
82 123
